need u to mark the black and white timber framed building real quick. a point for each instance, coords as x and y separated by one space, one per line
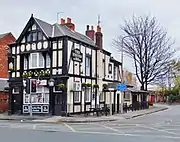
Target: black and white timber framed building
44 51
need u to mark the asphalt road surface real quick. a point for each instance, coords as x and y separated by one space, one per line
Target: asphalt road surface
158 127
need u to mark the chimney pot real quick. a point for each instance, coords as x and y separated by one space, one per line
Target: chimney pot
98 29
87 28
62 21
92 28
68 20
90 33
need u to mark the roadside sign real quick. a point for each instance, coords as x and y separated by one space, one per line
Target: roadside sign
121 87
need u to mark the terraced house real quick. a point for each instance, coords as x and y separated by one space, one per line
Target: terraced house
60 71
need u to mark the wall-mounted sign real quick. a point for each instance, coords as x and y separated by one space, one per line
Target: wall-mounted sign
76 55
43 82
36 108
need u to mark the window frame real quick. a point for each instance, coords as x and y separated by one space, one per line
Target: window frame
48 64
15 92
79 98
102 95
29 37
44 95
32 34
127 93
110 68
88 67
25 63
87 92
38 60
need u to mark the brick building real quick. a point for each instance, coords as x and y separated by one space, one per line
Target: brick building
5 39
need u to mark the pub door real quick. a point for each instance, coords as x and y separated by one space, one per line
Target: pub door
58 104
16 100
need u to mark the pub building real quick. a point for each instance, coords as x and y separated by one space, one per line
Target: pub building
54 70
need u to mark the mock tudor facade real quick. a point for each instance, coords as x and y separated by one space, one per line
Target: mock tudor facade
79 66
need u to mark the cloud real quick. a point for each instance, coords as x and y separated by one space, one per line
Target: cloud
14 15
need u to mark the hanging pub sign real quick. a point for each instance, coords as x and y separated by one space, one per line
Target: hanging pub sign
77 55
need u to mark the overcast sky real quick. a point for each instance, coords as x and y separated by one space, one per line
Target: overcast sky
15 14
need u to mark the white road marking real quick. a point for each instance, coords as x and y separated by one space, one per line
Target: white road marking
131 135
143 126
34 126
110 128
90 128
69 127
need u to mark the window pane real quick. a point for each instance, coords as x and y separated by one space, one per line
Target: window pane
34 36
48 60
127 95
46 98
87 95
88 65
34 60
76 96
110 68
26 98
46 90
101 97
41 60
29 37
25 63
16 90
39 36
39 89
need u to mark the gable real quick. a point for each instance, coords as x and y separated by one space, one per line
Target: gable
32 32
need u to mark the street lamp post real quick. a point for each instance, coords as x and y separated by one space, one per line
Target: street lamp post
51 84
11 66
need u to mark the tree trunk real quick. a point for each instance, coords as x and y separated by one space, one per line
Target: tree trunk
145 86
142 86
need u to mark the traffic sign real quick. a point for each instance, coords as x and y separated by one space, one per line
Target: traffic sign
121 87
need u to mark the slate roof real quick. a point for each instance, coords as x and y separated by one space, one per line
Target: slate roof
57 30
3 84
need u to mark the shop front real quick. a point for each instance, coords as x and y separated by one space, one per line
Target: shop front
38 100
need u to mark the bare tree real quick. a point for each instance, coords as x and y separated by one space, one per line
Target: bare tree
148 44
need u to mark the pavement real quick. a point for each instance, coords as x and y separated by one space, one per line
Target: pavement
116 117
82 119
157 127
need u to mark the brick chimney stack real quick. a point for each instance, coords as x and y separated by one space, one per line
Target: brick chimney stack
99 38
90 32
69 24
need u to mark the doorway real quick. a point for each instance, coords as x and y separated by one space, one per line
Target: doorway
58 104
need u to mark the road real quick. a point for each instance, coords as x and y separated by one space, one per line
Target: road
161 126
